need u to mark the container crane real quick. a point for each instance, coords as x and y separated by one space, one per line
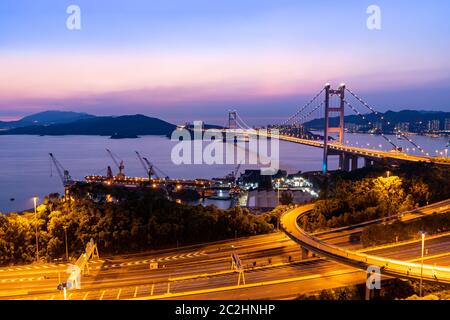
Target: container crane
148 167
64 175
119 164
66 179
236 172
154 168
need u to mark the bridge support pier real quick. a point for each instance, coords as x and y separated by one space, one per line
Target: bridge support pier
344 162
354 163
305 254
368 162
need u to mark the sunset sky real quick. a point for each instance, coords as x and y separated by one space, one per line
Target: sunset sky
182 60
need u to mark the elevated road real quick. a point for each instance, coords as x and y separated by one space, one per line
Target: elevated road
273 264
206 276
361 260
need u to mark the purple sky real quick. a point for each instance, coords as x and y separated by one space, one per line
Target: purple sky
196 59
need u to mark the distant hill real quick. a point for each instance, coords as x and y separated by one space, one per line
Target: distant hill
46 118
410 116
125 126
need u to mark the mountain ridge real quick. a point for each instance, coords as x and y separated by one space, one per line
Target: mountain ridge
128 125
46 118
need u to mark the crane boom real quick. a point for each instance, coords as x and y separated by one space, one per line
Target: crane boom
64 175
141 161
236 171
151 171
146 165
120 165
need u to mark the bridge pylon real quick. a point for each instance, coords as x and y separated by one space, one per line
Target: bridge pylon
232 120
329 109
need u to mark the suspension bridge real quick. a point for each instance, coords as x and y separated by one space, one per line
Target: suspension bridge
336 102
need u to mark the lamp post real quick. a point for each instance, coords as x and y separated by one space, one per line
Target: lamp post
36 222
67 247
421 266
278 192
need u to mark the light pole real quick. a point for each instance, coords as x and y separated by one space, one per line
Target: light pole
278 192
67 247
36 225
421 266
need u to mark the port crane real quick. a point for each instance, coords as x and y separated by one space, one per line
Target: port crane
119 164
64 175
236 172
166 177
148 167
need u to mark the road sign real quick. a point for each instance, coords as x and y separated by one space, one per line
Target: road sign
236 261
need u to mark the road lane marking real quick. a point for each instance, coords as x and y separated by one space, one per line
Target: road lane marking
255 285
436 256
402 243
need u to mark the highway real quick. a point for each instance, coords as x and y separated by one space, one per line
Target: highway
272 262
348 237
204 268
390 262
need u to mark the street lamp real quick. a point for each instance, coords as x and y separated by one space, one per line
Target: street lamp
36 225
421 266
388 173
278 192
67 248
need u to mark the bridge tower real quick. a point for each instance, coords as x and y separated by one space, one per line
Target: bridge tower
232 120
329 109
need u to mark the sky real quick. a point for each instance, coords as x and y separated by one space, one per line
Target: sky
185 60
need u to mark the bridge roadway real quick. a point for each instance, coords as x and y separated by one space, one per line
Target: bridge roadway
362 152
205 269
390 264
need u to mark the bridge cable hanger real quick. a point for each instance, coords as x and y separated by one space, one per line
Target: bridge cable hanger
382 118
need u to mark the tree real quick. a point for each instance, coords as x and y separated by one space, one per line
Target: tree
286 198
390 193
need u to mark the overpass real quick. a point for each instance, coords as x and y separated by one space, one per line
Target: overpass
358 259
